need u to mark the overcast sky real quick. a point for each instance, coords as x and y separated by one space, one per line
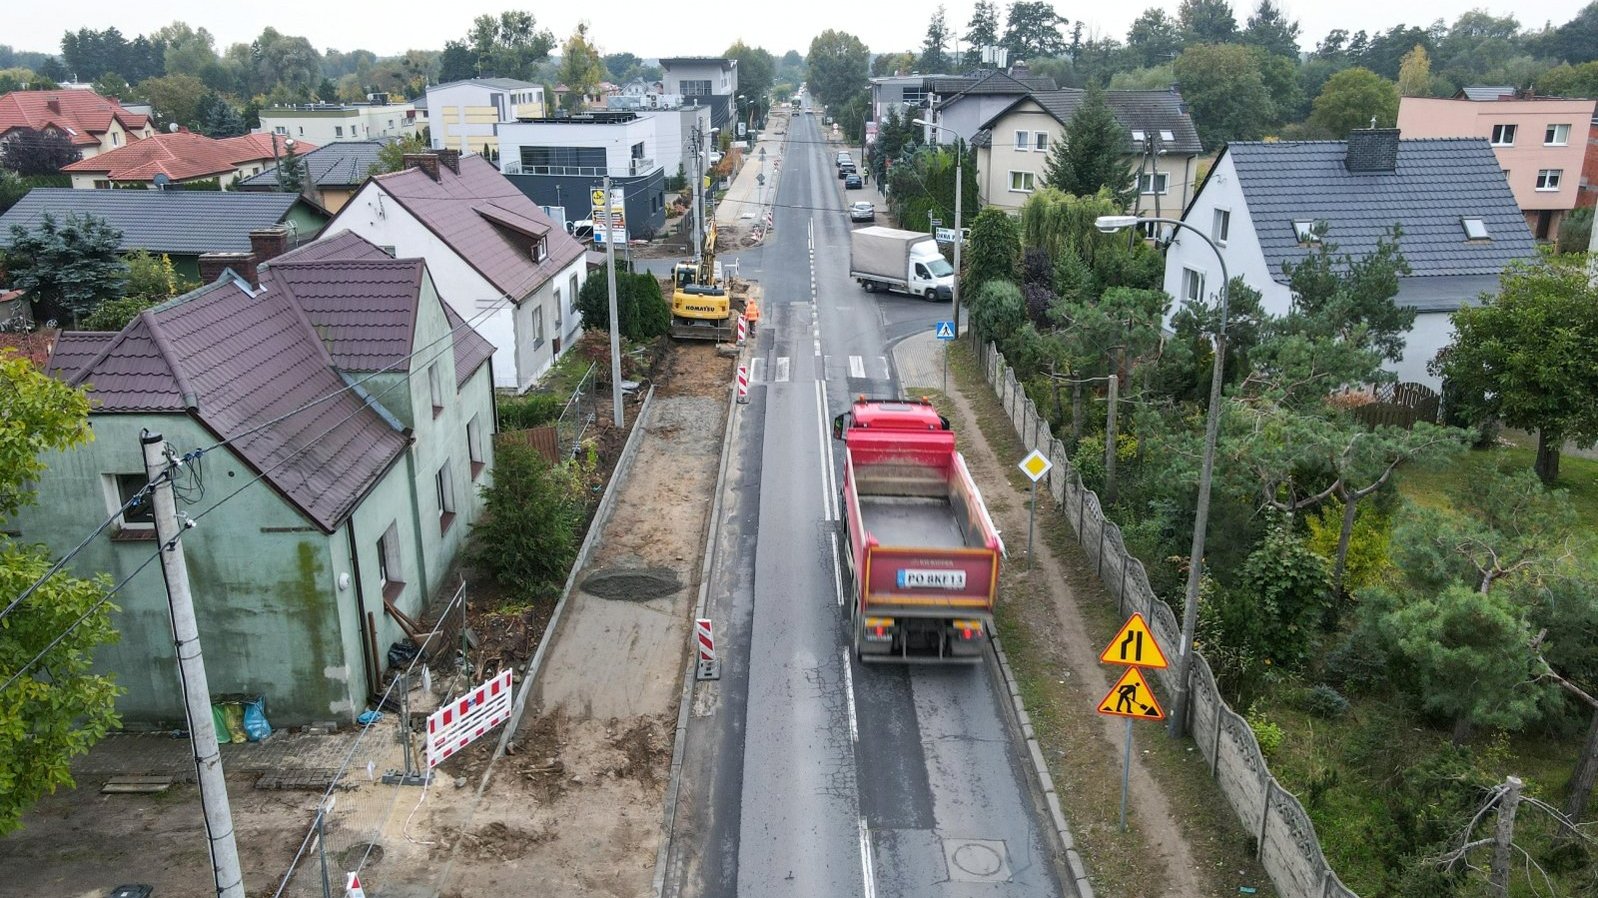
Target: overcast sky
653 28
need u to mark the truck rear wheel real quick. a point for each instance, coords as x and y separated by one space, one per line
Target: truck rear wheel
931 295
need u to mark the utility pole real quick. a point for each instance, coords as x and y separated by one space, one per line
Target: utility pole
959 233
1110 433
615 321
225 869
699 196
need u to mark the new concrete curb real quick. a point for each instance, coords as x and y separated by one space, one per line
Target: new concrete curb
685 702
1040 770
607 503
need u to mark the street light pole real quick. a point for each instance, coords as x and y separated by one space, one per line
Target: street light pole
959 197
1177 725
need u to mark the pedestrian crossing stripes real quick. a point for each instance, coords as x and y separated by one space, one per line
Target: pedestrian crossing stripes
782 369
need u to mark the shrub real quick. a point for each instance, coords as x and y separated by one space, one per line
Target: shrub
531 410
1269 735
643 310
528 535
1357 664
1323 701
1367 545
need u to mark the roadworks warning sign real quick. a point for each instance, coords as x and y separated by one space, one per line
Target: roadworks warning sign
1134 646
1131 697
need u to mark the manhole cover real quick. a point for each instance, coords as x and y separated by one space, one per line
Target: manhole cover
351 858
976 860
633 584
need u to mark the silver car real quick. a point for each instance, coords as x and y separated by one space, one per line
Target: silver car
862 211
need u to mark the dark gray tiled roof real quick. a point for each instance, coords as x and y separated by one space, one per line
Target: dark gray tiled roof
236 361
992 81
1437 182
183 222
343 163
1484 92
496 83
1137 110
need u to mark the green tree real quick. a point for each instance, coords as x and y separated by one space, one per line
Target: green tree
995 251
28 153
1271 30
1223 86
192 52
151 280
290 172
219 119
921 184
1091 154
934 55
510 45
57 708
998 313
1352 299
1576 41
69 267
1032 30
1525 356
1207 22
175 98
581 68
643 310
838 64
1352 99
532 519
757 73
391 156
983 29
457 62
1155 39
1569 80
1415 73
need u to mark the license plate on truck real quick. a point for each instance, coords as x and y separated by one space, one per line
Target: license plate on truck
925 579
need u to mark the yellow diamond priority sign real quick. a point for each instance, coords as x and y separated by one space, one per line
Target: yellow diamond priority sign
1036 465
1131 697
1134 645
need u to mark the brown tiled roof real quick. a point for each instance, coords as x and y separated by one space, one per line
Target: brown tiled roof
34 346
182 156
340 245
74 349
471 348
81 114
458 209
236 361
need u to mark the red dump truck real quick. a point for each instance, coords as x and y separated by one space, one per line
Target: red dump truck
922 553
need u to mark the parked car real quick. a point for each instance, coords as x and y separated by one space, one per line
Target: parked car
842 158
846 168
861 211
715 157
853 182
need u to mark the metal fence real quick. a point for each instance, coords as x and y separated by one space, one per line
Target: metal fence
1286 843
578 415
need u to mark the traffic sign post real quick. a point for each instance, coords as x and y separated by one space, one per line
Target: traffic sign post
944 331
1135 647
1035 466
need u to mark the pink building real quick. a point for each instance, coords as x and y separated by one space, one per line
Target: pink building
1540 142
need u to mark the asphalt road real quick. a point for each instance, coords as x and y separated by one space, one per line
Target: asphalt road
806 774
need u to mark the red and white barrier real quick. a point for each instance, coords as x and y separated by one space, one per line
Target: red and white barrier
743 329
743 383
455 725
705 648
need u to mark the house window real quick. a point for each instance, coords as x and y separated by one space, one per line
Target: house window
302 130
338 130
1504 135
538 327
435 389
474 445
571 293
1475 228
1154 183
1548 178
1138 137
389 574
1192 285
1556 136
1304 231
696 88
445 480
1222 226
281 129
137 519
116 139
1021 182
1021 142
540 250
1167 136
102 184
1042 142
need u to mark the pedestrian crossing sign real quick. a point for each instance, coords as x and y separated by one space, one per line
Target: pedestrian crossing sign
1131 697
944 330
1134 645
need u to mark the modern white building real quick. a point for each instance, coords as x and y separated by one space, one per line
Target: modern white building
711 80
325 123
462 115
634 142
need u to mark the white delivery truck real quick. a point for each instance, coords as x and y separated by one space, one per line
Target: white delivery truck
906 261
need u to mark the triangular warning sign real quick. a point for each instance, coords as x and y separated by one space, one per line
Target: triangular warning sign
1131 697
1134 646
352 887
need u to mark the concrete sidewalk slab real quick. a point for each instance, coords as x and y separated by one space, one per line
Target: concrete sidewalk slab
919 361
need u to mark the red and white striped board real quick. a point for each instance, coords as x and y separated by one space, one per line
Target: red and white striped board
743 329
459 723
743 383
705 650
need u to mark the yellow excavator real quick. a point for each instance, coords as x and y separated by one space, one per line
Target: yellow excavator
704 305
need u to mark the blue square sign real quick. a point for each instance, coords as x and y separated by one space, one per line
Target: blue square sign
944 330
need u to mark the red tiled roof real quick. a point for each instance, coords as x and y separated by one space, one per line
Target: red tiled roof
80 113
234 361
183 156
462 209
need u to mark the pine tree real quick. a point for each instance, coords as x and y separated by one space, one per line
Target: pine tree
291 173
1091 155
983 30
934 57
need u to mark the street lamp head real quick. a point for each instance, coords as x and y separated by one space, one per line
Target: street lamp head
921 121
1109 224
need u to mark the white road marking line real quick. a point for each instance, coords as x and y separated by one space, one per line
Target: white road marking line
848 694
857 366
782 369
837 572
829 506
865 860
887 372
818 347
757 368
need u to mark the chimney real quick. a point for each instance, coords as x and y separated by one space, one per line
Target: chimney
243 264
451 159
427 162
54 104
1372 151
267 244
